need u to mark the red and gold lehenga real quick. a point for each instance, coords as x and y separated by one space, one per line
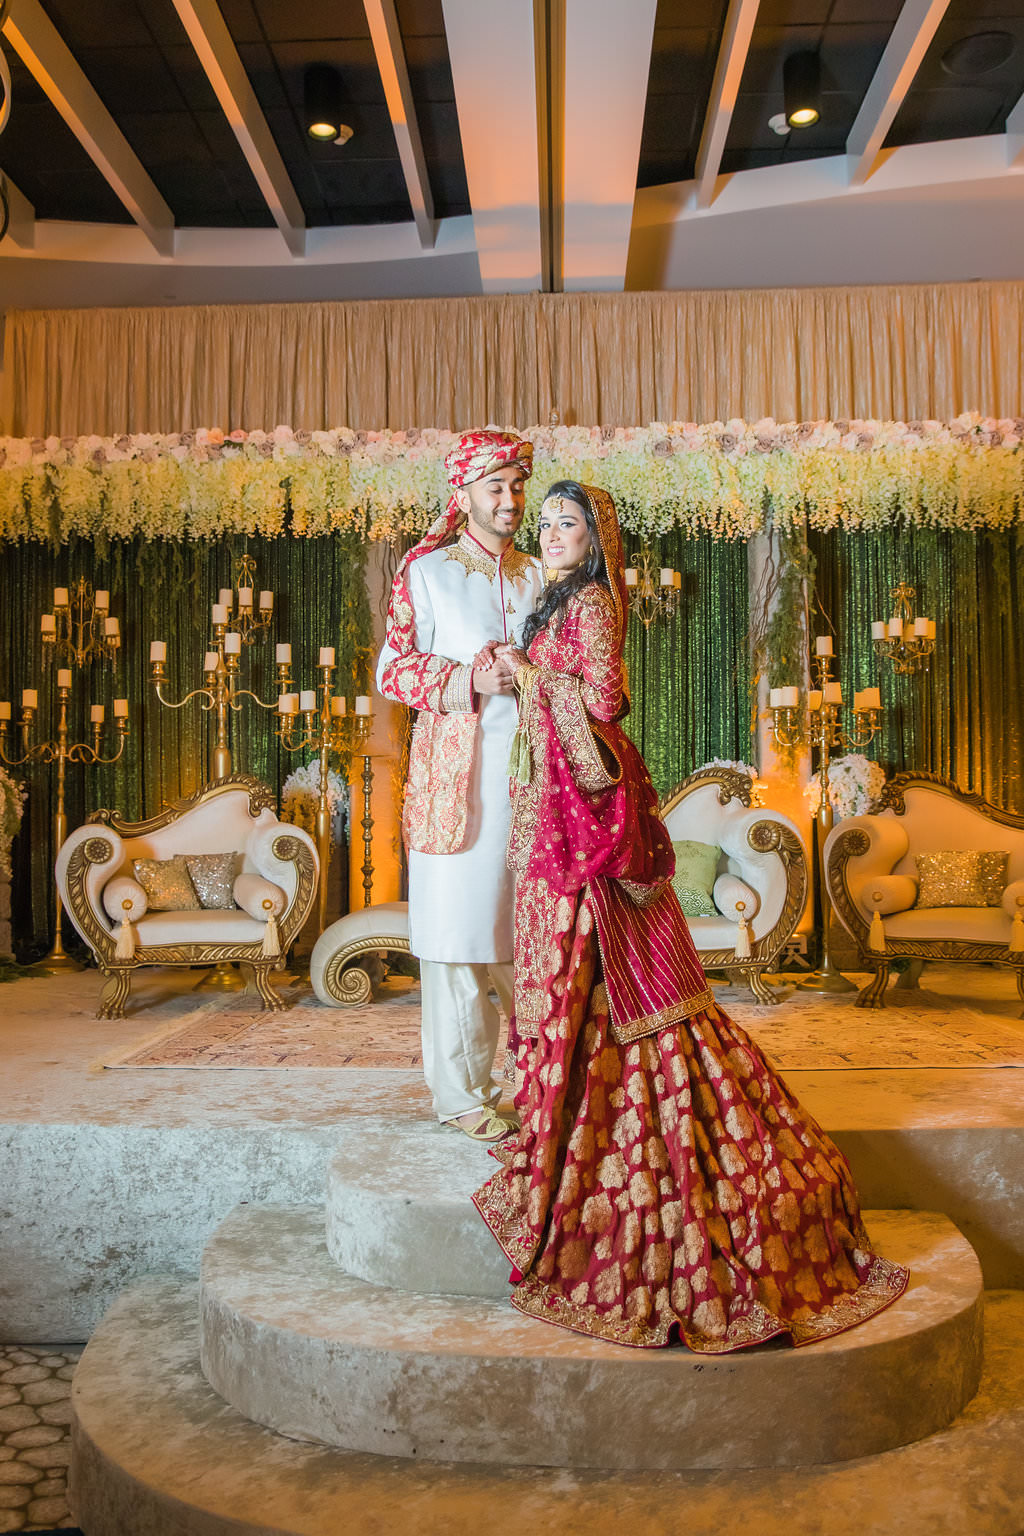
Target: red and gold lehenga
665 1179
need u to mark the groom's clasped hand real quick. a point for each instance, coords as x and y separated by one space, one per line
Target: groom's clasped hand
494 666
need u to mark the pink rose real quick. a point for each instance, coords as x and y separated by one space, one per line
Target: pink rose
237 436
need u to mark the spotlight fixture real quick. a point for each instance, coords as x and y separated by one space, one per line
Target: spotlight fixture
801 89
322 96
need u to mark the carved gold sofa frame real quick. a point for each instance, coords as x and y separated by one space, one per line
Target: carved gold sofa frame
762 849
234 814
923 813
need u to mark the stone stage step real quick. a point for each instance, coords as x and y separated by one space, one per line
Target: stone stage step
295 1344
158 1453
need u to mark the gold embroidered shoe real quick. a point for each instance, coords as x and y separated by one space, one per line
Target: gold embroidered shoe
486 1124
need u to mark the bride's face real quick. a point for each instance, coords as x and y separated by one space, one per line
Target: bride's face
564 536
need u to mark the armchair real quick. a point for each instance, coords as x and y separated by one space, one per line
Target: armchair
273 893
762 873
871 868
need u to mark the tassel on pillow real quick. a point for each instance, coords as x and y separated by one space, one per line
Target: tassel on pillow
1017 933
271 939
742 950
876 933
124 933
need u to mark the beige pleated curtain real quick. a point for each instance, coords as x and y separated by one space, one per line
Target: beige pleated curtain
627 359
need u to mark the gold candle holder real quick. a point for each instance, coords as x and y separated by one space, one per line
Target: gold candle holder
818 727
81 628
328 729
249 611
60 749
654 591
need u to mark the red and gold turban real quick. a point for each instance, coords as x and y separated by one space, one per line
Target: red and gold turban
475 455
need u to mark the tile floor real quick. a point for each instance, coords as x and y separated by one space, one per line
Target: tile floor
35 1445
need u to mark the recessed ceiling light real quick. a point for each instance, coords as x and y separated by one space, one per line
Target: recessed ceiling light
978 54
801 89
322 98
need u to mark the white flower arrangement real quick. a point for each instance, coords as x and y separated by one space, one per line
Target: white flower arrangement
715 478
855 786
757 786
12 805
300 799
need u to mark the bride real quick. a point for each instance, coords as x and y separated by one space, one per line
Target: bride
664 1180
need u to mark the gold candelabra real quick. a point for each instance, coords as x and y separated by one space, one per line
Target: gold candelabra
818 728
222 694
907 639
328 729
60 750
241 614
81 629
654 591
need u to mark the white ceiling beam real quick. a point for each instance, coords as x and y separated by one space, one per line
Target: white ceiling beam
607 64
908 43
382 19
1015 135
21 230
492 51
218 55
732 56
36 40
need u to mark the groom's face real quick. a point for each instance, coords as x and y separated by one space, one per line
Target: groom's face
496 503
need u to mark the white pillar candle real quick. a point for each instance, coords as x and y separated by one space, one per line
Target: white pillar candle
5 710
327 655
338 705
921 627
64 677
220 613
666 576
282 654
878 630
775 698
96 714
112 627
245 597
823 645
29 698
814 700
362 704
48 624
120 709
833 693
896 627
872 698
790 697
858 701
307 700
158 650
288 704
226 597
60 597
630 576
232 643
210 661
102 600
266 599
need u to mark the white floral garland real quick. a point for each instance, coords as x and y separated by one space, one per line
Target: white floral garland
300 799
716 479
855 785
12 804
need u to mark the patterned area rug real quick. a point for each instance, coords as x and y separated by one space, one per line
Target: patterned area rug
805 1033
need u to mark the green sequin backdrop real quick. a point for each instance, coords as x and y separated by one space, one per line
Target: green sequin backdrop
964 717
164 591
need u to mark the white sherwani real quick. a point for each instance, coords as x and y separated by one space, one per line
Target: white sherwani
461 903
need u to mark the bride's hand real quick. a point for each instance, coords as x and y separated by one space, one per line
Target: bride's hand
511 656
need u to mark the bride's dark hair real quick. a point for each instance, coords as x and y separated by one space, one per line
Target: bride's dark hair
557 593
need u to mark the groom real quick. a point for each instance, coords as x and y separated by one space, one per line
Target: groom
463 586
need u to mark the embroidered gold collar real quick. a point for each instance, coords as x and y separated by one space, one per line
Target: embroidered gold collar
515 563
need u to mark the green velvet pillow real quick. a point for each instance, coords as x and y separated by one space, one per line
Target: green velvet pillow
696 872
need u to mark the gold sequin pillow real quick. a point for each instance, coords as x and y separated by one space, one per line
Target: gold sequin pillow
968 877
167 884
214 875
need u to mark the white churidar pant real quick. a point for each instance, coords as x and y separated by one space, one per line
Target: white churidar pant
460 1030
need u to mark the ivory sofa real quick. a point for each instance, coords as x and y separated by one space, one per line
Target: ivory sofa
273 892
870 864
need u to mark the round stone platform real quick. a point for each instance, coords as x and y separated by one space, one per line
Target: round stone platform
293 1343
157 1453
399 1211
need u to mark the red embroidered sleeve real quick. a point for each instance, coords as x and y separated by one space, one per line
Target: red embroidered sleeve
589 648
421 679
418 680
